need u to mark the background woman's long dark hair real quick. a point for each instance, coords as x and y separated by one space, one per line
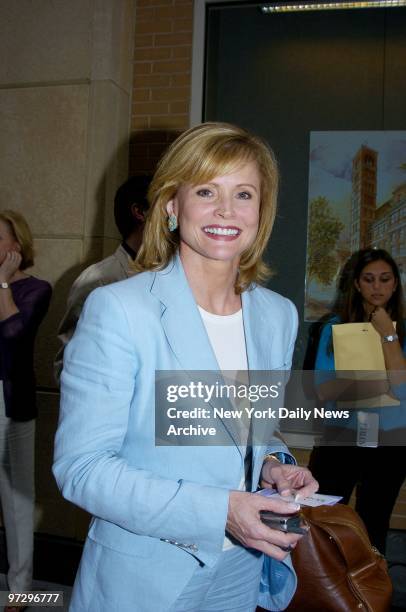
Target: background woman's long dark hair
348 304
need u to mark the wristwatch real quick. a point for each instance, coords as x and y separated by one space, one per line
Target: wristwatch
4 285
280 458
390 338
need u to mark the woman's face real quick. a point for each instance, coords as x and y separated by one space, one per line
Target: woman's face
376 284
7 241
218 220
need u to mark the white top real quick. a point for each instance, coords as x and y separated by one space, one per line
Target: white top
227 338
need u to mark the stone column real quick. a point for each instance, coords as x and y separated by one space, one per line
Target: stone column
65 108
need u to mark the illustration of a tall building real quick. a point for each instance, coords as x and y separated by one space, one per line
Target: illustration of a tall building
363 196
389 228
383 227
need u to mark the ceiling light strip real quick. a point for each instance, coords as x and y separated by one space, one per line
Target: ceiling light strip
325 6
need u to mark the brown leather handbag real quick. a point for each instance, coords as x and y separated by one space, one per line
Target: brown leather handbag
337 568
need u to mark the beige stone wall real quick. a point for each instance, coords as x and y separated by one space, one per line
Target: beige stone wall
65 106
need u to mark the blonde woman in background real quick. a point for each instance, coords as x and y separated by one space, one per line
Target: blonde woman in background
24 301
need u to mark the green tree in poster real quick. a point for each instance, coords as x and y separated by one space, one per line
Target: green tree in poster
323 234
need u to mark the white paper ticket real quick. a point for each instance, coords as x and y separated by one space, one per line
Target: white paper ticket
317 499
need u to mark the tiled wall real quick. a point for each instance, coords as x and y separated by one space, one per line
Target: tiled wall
162 68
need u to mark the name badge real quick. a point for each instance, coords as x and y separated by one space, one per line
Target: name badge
367 429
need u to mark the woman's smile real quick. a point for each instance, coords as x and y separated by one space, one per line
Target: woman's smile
221 232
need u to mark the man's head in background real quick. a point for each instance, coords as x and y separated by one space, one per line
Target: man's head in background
130 207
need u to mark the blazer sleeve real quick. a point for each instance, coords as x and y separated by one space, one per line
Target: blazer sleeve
32 308
291 326
97 385
78 293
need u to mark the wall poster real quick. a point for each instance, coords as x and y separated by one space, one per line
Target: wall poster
357 199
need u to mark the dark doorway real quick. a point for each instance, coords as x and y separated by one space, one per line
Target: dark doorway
285 75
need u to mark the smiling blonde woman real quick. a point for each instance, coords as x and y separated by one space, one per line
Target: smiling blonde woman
177 527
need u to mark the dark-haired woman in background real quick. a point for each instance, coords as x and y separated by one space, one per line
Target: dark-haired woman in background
370 290
24 301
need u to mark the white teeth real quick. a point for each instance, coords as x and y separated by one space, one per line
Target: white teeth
221 231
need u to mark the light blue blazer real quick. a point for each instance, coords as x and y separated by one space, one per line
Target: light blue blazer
158 511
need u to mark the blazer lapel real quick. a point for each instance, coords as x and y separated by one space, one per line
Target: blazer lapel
181 321
258 332
184 328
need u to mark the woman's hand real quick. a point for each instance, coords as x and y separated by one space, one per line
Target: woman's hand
243 521
244 524
10 265
395 361
381 321
288 479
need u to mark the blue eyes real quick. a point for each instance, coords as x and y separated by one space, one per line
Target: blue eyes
207 193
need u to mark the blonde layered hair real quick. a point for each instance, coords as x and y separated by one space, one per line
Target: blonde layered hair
197 156
21 232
